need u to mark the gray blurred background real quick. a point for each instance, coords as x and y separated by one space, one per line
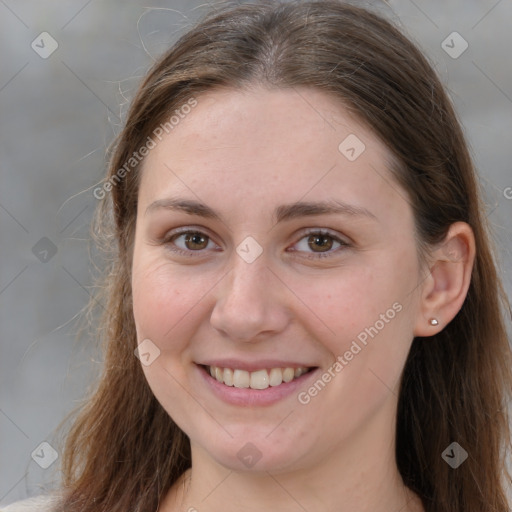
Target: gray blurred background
60 107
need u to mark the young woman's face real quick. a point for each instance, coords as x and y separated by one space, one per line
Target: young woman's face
270 235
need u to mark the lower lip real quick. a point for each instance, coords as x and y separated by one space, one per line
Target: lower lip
253 397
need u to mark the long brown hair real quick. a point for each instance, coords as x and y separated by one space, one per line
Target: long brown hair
123 451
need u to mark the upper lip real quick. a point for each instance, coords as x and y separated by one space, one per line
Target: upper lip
251 366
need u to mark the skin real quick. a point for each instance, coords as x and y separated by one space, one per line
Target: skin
243 153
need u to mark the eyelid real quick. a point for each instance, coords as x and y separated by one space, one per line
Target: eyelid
324 231
186 229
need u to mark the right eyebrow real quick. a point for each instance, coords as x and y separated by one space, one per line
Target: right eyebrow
189 206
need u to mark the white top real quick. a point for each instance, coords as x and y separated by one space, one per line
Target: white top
41 503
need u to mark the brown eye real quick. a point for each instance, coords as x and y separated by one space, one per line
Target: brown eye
190 243
320 243
195 241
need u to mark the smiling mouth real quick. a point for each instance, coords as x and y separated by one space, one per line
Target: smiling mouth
259 379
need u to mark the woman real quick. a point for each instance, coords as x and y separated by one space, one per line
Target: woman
303 308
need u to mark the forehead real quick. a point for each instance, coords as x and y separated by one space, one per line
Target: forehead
265 147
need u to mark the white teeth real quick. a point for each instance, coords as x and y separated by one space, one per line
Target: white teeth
228 376
276 376
241 379
260 379
288 374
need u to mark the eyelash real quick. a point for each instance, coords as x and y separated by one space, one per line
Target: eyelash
169 241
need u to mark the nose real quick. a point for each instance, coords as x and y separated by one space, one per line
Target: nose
250 302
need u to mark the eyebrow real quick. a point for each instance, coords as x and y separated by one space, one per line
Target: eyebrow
281 213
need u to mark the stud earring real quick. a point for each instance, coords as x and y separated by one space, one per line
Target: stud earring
433 321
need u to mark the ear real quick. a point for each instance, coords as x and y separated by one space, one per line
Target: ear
446 285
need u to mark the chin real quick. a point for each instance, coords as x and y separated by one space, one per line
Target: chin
258 454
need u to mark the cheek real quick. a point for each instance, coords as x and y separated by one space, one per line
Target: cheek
162 299
365 327
362 315
342 302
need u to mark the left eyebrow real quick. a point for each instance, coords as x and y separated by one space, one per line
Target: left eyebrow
282 213
304 209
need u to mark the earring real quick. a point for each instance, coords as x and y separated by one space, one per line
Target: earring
433 321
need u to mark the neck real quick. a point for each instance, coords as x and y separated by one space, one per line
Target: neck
358 475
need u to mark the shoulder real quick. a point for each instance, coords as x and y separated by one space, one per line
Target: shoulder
42 503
